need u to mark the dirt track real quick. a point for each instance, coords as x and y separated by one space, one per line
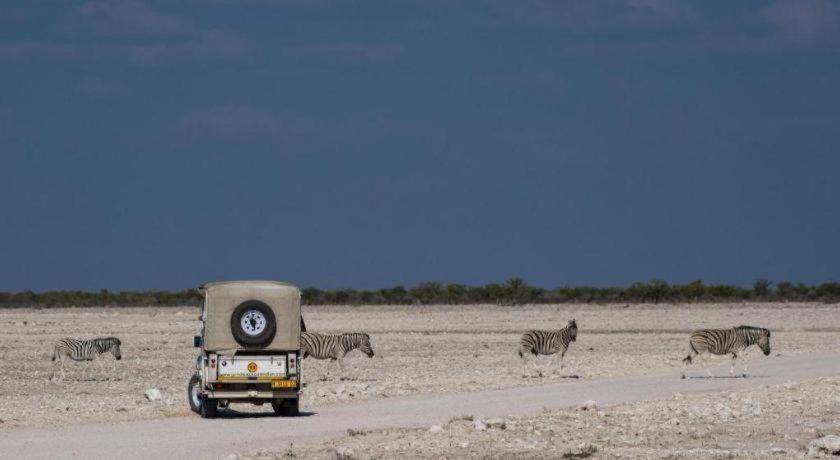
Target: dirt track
194 437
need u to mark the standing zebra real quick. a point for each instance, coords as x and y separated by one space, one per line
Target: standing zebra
84 350
724 342
546 343
334 346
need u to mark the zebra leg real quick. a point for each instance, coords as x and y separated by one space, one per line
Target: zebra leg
342 374
562 355
524 364
746 364
328 367
686 362
704 361
101 365
732 366
56 356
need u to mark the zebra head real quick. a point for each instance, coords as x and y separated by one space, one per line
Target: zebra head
572 327
364 345
113 344
764 341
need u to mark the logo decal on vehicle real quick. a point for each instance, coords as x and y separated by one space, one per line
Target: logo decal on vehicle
252 367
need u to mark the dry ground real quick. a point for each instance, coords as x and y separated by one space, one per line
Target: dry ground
775 421
419 349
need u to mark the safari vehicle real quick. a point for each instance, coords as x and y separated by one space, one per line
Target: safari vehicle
250 347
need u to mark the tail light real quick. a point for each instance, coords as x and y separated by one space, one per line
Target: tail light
292 363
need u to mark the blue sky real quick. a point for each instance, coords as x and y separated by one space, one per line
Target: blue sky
339 143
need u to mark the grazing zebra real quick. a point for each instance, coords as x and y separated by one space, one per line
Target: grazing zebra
547 343
334 346
724 342
84 350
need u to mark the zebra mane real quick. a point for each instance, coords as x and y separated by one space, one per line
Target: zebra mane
760 330
111 341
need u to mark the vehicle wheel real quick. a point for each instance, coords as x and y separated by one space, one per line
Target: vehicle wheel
285 407
194 394
209 408
252 324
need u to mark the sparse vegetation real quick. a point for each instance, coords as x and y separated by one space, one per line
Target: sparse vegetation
514 291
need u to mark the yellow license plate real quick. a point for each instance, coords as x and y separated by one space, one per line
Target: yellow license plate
283 383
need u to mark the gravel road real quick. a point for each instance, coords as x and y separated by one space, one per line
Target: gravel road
194 437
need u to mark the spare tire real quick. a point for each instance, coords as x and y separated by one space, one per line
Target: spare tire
252 324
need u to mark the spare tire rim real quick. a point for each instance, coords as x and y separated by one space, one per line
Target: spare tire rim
253 322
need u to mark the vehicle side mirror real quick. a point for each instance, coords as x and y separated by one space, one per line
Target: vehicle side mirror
197 341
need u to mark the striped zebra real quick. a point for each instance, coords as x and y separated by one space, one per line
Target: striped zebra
725 342
84 350
334 346
546 343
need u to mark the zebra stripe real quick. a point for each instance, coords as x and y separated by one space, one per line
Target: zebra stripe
726 341
334 346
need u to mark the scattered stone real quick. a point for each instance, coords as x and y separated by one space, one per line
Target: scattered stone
153 394
479 425
356 432
496 422
588 405
321 393
778 451
436 429
232 457
825 445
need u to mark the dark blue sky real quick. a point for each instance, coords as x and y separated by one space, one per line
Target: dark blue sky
159 144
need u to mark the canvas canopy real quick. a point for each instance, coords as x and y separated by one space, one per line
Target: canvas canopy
222 298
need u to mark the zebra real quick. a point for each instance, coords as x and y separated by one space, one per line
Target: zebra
538 342
724 342
84 350
334 346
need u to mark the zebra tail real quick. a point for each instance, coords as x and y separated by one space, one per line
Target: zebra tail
687 359
55 352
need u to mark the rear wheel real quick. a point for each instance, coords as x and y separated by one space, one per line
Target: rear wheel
285 407
194 394
209 407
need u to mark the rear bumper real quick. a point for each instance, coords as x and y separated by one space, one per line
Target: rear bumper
253 394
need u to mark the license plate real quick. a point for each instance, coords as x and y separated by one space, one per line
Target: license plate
283 383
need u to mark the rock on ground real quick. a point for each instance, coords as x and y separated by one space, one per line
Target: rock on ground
825 445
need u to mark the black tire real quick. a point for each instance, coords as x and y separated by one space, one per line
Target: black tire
285 407
209 408
253 340
194 394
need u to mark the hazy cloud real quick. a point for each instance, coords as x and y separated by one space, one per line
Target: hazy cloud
348 52
99 88
591 15
211 44
233 124
34 49
125 17
804 20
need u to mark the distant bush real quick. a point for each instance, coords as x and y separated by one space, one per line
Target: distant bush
514 291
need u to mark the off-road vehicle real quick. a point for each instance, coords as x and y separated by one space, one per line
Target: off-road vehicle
250 347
